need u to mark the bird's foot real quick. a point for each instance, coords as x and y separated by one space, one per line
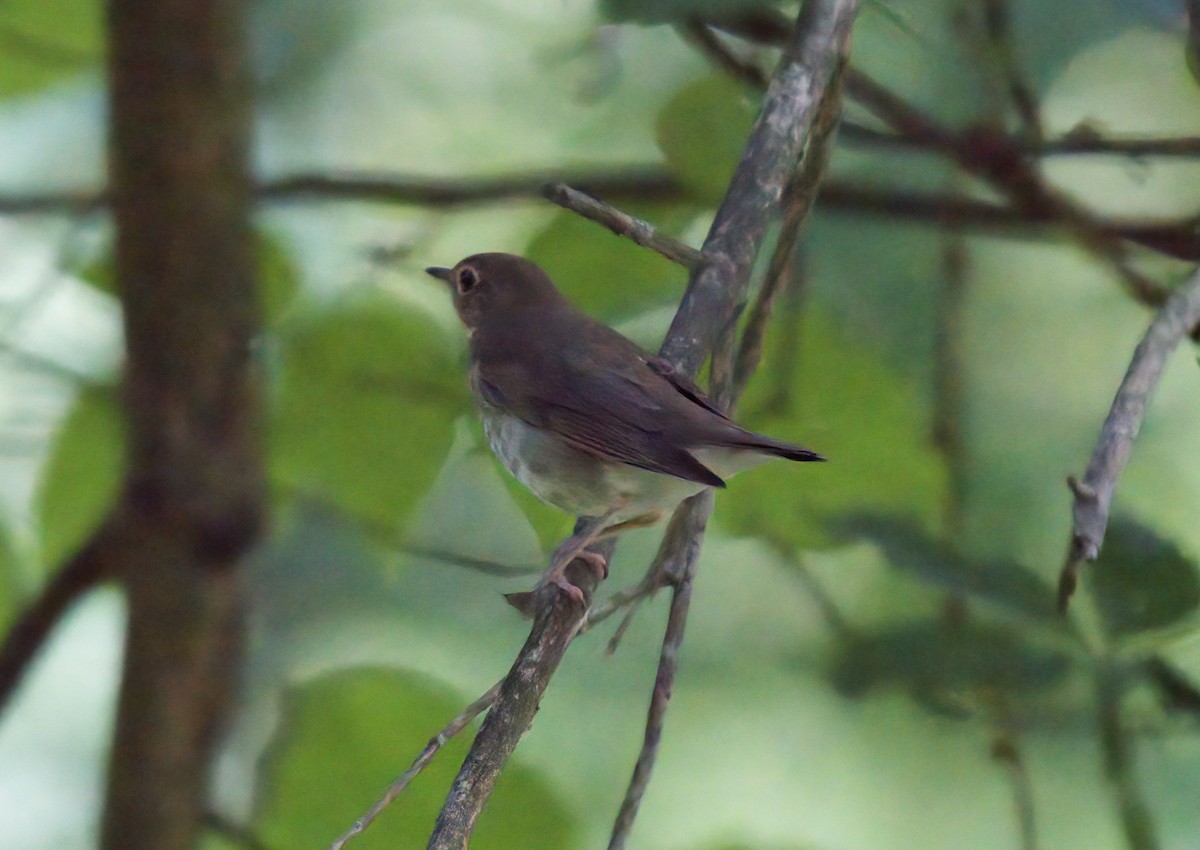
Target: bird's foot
568 552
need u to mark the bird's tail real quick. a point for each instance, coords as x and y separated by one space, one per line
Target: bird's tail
775 448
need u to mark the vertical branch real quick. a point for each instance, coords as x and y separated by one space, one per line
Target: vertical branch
801 107
692 519
192 500
1117 747
949 380
997 24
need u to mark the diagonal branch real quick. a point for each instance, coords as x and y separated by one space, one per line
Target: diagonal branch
1093 495
88 567
623 224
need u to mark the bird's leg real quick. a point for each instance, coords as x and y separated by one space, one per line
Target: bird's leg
574 547
644 521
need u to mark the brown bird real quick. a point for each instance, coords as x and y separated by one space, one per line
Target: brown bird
583 417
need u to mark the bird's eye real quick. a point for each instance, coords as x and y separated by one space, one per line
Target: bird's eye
467 280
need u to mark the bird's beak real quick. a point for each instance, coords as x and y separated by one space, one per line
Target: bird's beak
440 273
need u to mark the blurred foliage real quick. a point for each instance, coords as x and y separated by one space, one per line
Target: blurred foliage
610 277
314 783
872 679
701 131
11 584
83 474
44 41
1007 584
1141 580
365 402
869 424
937 659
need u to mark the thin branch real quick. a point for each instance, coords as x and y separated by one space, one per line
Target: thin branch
470 562
438 741
87 568
234 833
1007 167
1082 141
640 182
618 183
798 201
1179 239
623 224
1093 495
556 621
693 519
998 29
723 56
949 380
1008 755
1174 238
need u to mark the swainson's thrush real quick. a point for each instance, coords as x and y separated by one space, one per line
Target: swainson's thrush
583 417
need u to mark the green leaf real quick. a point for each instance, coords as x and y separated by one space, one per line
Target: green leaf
910 548
836 396
366 404
348 735
702 130
1141 580
604 274
82 476
278 278
12 590
44 41
677 11
935 660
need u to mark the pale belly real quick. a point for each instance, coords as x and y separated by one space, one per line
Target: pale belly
581 484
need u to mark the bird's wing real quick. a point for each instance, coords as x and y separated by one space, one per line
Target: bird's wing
623 405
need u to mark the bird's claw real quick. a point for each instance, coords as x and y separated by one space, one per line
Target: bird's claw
557 575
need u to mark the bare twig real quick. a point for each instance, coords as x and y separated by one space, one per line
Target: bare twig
693 518
1006 752
1083 141
234 833
1005 166
1179 239
623 224
721 55
426 756
1093 495
949 380
998 29
798 201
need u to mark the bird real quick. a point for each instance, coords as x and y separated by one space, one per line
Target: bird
582 416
